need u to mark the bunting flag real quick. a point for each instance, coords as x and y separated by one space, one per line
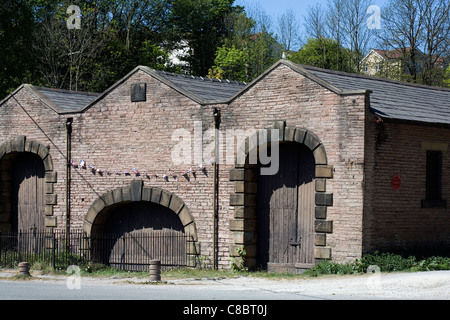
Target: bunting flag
167 176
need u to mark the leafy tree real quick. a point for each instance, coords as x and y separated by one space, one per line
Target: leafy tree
17 59
230 63
447 77
324 53
202 24
249 50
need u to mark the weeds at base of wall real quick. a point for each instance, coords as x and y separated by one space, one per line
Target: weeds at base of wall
386 262
238 264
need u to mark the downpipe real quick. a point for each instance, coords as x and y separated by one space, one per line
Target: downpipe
216 115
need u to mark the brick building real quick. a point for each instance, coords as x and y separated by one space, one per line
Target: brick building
360 163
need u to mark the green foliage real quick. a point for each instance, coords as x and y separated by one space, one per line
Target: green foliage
238 264
387 262
329 267
230 63
17 55
324 53
447 77
201 23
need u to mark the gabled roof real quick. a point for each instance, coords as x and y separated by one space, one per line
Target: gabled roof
67 101
394 99
60 101
388 98
206 89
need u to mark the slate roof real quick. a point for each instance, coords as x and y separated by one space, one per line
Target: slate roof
394 99
389 99
206 89
68 101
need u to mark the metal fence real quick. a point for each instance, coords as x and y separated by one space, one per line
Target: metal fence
131 251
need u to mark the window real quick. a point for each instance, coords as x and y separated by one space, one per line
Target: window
434 181
378 66
365 67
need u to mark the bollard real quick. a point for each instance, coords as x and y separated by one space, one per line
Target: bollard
24 268
155 270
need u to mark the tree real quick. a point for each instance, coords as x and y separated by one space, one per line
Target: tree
355 31
202 24
447 77
345 22
324 53
315 22
413 26
230 63
289 30
17 60
436 40
249 47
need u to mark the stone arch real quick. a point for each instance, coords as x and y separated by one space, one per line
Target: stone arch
244 198
136 191
21 144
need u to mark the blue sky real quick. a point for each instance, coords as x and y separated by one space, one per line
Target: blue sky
278 7
275 8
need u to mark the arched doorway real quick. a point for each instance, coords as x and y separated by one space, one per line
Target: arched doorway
129 226
134 233
280 219
285 211
27 194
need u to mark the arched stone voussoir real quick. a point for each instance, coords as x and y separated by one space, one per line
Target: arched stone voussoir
150 194
311 141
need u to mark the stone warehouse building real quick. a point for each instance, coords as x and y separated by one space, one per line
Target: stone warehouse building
363 163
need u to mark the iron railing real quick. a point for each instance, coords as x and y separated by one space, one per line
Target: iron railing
130 251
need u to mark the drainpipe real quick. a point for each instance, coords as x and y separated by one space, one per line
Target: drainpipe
216 116
68 166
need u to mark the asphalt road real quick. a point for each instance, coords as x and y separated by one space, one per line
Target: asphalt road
393 286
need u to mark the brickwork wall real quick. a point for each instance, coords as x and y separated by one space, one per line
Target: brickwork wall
339 124
116 134
30 117
395 219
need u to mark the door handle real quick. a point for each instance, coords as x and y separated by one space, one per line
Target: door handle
294 244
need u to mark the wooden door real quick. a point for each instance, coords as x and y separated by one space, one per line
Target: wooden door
306 208
139 232
28 192
286 211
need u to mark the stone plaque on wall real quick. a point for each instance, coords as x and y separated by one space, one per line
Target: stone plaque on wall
138 92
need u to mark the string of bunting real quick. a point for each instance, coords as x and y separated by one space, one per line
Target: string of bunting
134 171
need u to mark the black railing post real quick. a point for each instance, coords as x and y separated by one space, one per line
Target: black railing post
53 250
19 236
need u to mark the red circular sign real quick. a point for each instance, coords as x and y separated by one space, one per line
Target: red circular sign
396 182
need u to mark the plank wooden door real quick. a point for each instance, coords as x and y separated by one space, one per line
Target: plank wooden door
139 232
286 211
28 192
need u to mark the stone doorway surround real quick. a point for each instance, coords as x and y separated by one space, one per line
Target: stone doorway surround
136 191
244 198
22 144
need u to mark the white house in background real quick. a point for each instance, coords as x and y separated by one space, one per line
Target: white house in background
394 61
378 59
